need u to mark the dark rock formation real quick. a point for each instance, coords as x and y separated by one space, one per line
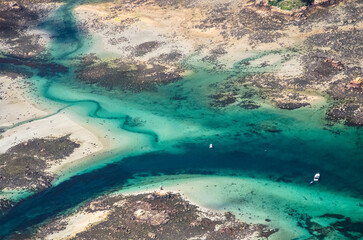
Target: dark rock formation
159 215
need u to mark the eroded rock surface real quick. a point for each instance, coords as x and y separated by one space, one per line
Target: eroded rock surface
159 215
24 165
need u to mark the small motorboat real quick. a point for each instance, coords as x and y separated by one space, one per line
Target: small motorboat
316 178
210 145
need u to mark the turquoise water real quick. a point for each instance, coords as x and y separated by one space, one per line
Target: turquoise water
281 148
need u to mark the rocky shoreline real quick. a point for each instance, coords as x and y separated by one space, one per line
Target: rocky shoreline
158 215
24 166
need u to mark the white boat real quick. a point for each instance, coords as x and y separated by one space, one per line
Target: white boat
210 145
316 177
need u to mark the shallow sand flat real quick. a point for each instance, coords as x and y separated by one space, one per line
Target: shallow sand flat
254 200
54 126
14 108
154 25
78 223
175 28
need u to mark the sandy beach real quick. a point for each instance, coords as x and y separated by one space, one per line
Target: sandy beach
14 108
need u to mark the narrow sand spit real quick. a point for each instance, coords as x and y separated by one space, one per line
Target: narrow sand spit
78 223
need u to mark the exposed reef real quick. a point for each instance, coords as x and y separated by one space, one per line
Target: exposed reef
159 215
24 166
22 49
125 74
340 226
16 18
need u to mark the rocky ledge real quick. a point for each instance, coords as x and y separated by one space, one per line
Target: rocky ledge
159 215
24 166
124 74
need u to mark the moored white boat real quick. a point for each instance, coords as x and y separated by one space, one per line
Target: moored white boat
316 177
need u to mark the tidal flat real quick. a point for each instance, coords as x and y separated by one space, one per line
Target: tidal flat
103 101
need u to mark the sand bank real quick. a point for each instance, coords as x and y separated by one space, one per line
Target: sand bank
78 223
14 108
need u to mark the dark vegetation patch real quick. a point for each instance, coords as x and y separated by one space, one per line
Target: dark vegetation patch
168 58
349 113
134 122
340 226
347 44
267 81
264 37
125 74
214 54
115 41
233 93
261 26
347 93
291 105
158 216
221 100
5 205
347 90
348 98
319 69
174 3
15 71
277 91
242 22
288 100
15 18
44 69
249 104
290 4
146 47
23 166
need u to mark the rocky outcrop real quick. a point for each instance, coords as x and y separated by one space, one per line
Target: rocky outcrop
159 215
350 113
24 165
356 84
126 74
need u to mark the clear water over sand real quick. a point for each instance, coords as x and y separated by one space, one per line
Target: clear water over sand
261 163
